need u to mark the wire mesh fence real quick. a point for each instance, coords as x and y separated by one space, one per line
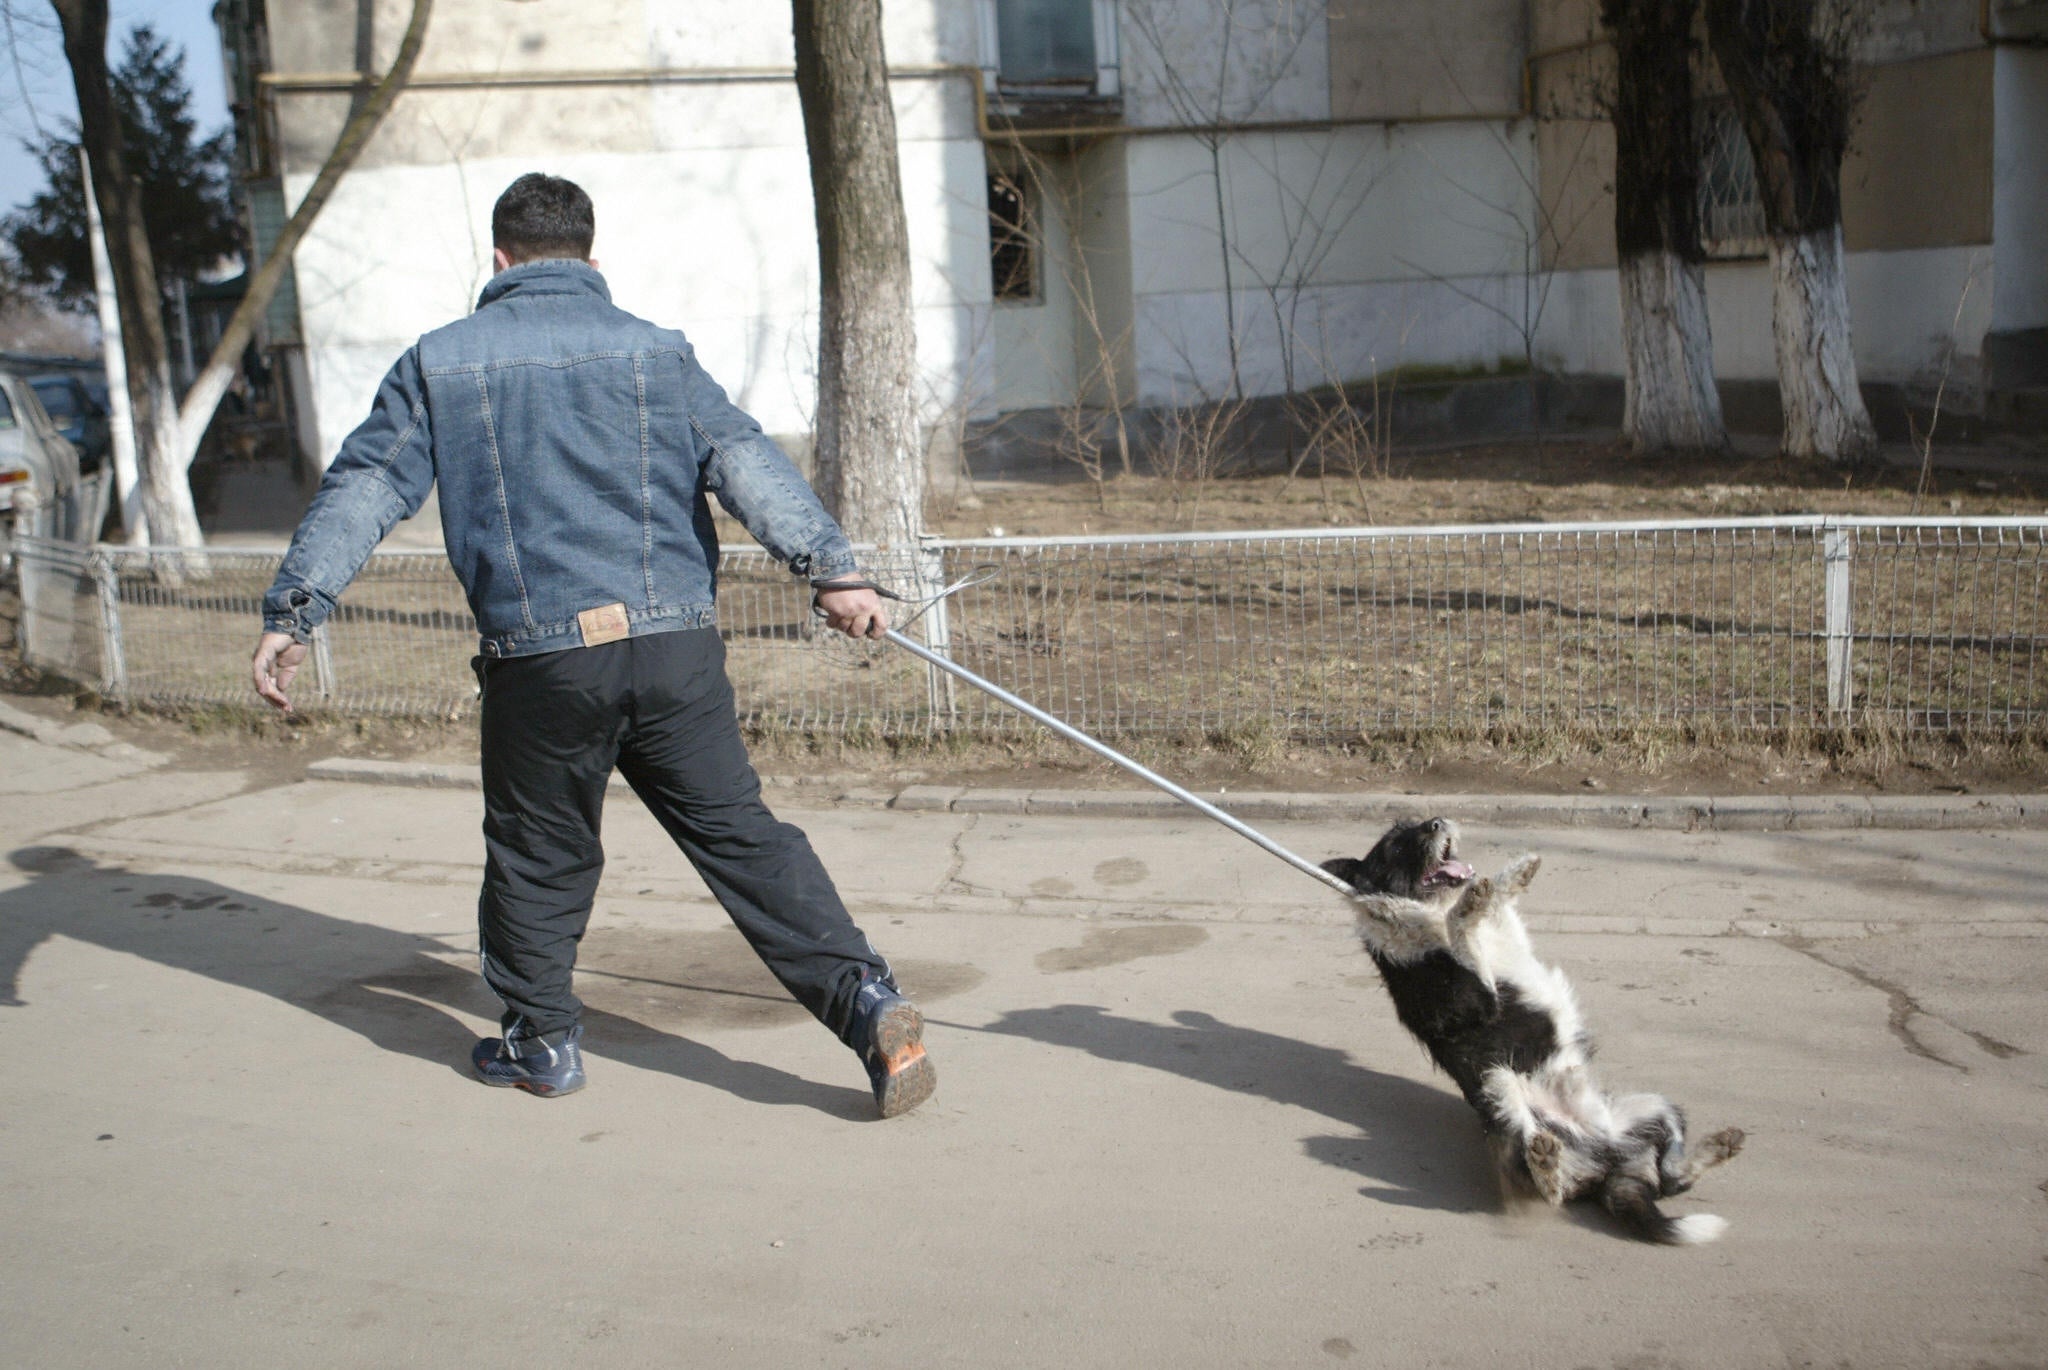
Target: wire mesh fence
1316 636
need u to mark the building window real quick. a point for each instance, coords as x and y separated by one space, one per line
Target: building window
1046 42
1731 206
1012 255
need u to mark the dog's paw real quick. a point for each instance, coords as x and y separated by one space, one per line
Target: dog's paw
1520 872
1546 1166
1478 898
1724 1145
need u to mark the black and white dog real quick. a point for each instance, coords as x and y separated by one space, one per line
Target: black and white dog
1457 961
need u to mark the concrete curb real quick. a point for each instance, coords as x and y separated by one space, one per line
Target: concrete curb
1681 813
88 737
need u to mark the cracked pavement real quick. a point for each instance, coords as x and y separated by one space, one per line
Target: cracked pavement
1176 1121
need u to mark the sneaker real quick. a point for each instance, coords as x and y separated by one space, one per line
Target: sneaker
550 1065
888 1032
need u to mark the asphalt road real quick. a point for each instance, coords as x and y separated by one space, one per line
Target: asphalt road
1176 1122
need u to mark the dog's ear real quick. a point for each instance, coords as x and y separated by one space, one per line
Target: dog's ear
1345 868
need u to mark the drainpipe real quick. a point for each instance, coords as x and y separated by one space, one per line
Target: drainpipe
273 83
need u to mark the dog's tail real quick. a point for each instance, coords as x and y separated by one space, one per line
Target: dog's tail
1633 1201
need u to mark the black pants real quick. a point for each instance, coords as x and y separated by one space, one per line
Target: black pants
660 709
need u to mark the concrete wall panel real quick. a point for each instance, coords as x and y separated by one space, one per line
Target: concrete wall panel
1918 173
1335 333
1395 203
1179 68
1391 59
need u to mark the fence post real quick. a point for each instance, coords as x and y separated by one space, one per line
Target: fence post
323 664
113 651
1838 547
28 579
938 635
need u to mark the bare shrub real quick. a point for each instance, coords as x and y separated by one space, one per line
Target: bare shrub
1347 434
1080 442
1196 444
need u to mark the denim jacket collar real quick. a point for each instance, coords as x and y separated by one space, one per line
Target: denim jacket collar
549 276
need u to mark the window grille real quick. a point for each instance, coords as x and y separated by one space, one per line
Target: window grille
1012 256
1731 205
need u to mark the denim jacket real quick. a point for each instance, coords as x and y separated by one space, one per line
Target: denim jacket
574 445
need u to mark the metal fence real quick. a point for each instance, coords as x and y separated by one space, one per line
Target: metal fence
1320 636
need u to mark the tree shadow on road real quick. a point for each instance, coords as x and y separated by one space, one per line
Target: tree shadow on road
404 992
1418 1145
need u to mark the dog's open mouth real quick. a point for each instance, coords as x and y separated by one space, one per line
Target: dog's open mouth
1444 873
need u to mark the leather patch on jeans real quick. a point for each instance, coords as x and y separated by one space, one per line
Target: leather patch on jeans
606 623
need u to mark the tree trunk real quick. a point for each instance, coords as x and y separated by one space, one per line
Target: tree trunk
1672 402
120 416
212 382
166 495
869 466
1669 349
1824 413
1787 64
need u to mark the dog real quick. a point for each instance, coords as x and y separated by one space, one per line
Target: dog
1456 960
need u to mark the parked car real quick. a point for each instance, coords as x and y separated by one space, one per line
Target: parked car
37 460
73 404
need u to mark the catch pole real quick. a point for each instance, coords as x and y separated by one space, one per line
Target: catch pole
1108 753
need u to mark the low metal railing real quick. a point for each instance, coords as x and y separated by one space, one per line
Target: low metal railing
1322 635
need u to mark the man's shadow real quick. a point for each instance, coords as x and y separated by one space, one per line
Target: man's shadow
1418 1145
397 989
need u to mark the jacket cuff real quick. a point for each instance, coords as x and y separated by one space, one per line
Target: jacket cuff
291 611
836 563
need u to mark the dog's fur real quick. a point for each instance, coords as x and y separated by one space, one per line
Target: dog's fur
1464 979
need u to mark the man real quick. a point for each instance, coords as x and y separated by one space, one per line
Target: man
574 446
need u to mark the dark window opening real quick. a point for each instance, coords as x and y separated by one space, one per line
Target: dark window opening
1012 260
1046 42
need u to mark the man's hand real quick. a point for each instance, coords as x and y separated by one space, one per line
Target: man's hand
857 613
277 660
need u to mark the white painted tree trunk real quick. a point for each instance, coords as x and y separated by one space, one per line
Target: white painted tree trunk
1672 401
210 385
120 413
1824 413
166 485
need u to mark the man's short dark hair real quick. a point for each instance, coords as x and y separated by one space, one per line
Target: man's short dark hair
543 216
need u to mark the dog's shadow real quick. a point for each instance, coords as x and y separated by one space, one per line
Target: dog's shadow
1418 1145
400 990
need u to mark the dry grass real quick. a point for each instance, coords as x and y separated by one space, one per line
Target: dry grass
1137 652
1504 483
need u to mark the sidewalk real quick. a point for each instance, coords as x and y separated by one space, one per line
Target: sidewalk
1177 1124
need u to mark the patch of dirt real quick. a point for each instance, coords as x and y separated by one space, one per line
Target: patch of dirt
1551 482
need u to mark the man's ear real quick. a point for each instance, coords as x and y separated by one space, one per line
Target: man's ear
499 261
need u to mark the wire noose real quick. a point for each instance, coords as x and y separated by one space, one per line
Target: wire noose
979 575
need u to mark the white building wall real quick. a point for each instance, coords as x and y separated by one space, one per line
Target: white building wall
1354 249
708 228
1339 251
1033 343
1216 61
1351 249
1911 314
